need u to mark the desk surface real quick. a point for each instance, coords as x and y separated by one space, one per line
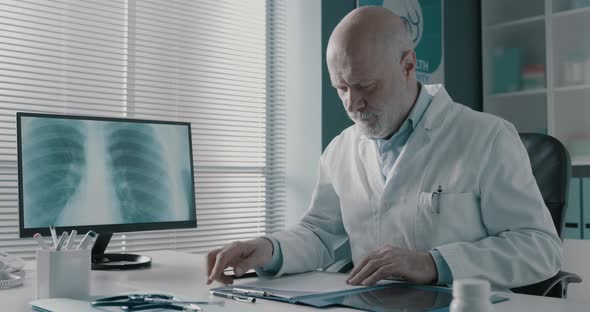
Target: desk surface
184 275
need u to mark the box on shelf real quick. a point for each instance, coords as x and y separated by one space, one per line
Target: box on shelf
506 70
576 69
533 76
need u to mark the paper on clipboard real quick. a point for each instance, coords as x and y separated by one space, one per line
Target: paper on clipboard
292 288
323 289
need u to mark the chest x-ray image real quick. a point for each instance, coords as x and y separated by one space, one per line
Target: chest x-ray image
88 172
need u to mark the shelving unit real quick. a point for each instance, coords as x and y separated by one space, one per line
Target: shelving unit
572 88
552 35
516 94
536 68
517 22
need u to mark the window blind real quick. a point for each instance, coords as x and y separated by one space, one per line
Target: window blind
216 64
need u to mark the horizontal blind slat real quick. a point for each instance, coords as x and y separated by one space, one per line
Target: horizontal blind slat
181 60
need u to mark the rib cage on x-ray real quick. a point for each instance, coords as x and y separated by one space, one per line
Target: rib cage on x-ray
54 154
140 180
81 172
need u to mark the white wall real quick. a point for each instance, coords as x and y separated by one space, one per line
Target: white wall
304 103
577 260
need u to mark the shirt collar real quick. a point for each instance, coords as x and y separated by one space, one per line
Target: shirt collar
414 117
420 107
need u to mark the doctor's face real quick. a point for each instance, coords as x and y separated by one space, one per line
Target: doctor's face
372 87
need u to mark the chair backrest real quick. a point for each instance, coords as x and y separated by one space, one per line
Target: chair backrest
552 170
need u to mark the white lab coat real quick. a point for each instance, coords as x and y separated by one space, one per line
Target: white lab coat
489 222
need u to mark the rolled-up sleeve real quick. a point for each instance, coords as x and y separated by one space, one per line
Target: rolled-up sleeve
271 269
445 276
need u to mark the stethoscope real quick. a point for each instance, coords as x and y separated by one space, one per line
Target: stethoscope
138 302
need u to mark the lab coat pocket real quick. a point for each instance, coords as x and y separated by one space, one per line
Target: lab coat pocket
460 217
427 220
429 202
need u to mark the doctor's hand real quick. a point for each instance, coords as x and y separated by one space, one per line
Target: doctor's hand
242 256
412 266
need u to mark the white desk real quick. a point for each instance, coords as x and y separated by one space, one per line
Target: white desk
184 275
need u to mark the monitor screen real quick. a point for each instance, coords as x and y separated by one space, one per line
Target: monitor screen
105 174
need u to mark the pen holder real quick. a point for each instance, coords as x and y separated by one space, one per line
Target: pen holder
63 274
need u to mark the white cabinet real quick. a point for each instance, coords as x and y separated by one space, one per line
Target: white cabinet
536 68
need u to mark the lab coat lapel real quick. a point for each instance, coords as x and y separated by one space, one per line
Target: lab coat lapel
369 154
407 165
412 160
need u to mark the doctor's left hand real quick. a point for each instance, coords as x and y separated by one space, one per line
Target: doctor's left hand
242 256
412 266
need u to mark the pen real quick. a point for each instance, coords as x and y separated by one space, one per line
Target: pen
71 240
41 241
436 199
245 291
234 297
61 241
88 240
174 301
53 235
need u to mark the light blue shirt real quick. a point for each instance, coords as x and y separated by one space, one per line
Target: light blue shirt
389 151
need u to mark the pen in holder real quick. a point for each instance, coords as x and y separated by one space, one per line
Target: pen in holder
63 274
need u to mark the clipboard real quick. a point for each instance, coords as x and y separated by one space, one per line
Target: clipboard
390 297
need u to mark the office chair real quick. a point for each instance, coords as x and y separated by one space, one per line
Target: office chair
551 166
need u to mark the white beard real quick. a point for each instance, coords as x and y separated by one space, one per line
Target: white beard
372 131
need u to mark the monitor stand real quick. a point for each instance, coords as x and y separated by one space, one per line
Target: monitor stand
115 261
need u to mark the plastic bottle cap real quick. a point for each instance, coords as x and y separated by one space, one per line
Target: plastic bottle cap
471 289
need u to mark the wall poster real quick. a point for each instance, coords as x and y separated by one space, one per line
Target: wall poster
425 21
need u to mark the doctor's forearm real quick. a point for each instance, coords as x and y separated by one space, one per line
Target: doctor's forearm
510 259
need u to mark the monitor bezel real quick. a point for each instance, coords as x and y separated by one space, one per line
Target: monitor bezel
101 228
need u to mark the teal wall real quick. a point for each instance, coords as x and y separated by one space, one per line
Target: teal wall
462 57
334 118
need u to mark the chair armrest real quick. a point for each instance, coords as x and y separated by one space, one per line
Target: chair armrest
555 286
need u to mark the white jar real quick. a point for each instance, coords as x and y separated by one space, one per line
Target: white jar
587 70
470 295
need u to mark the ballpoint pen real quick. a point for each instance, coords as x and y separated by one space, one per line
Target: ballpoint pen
232 296
61 241
88 240
71 240
174 301
245 291
41 241
53 236
436 199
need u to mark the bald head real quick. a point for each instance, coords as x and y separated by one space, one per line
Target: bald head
373 68
371 29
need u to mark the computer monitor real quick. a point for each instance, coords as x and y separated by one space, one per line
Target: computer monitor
104 174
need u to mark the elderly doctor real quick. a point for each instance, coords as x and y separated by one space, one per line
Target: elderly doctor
423 188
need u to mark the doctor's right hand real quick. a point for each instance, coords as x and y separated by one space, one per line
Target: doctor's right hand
242 256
